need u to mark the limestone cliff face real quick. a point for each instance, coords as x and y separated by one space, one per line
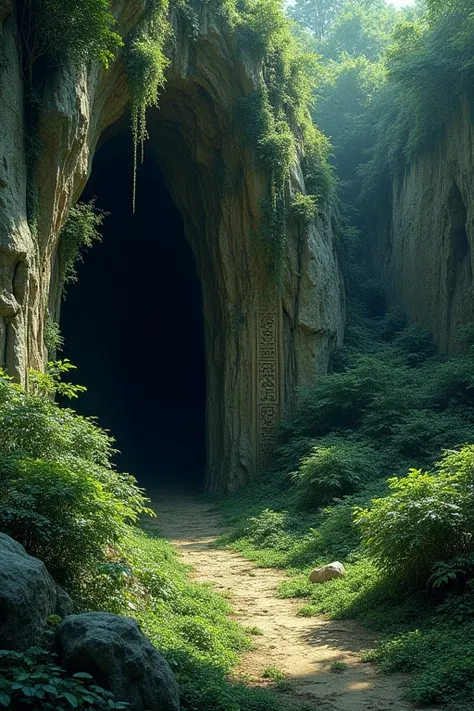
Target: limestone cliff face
258 347
422 243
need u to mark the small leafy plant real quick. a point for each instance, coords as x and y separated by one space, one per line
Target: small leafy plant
338 667
273 674
34 680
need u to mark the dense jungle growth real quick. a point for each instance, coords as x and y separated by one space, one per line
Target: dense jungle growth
375 464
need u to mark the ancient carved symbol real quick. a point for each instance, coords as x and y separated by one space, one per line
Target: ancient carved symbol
267 375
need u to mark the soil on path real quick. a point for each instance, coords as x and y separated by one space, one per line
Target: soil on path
302 648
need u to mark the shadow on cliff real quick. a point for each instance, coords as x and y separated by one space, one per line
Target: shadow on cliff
133 326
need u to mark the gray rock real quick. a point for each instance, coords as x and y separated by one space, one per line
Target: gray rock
327 572
121 659
28 595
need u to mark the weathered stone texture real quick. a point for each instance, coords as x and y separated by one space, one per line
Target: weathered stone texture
421 245
28 595
120 658
212 176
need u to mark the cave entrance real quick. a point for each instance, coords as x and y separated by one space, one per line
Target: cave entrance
133 325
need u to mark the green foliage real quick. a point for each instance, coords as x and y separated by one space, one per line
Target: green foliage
34 680
52 338
273 673
304 208
74 30
342 109
426 518
52 383
316 15
333 468
276 122
80 231
60 496
430 69
145 63
338 667
361 29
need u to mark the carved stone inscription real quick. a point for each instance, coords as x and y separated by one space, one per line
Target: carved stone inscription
268 384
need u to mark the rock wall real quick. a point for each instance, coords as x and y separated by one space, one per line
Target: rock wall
259 346
421 243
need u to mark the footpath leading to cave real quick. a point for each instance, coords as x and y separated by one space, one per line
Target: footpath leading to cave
302 648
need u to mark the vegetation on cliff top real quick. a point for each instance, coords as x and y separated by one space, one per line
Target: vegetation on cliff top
275 118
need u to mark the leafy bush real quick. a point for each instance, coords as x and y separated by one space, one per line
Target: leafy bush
267 529
417 343
421 435
34 680
59 495
332 469
339 401
426 518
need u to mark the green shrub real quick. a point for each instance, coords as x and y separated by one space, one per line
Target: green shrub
34 680
333 468
267 529
427 518
451 384
74 30
59 495
338 402
441 660
417 343
421 435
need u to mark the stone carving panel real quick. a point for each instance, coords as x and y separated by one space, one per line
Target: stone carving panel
268 384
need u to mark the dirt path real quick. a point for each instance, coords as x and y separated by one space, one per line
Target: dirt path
303 648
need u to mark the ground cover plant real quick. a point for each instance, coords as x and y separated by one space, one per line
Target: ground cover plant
375 469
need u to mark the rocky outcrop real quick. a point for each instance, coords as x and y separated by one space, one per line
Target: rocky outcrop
421 244
120 658
259 346
28 596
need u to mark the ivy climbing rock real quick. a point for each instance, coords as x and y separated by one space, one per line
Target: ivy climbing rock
266 331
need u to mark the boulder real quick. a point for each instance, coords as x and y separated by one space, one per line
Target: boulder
28 595
327 572
120 658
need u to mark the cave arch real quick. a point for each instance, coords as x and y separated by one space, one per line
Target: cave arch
132 323
260 342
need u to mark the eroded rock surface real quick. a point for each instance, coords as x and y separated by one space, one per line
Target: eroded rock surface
28 595
120 658
213 176
421 246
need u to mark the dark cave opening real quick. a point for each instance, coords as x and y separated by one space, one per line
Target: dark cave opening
133 325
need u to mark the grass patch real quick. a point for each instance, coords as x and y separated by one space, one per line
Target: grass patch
189 623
